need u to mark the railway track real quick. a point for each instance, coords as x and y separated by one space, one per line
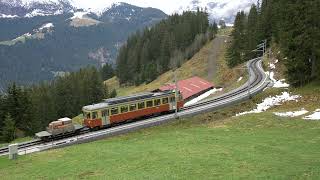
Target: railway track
253 83
21 145
256 83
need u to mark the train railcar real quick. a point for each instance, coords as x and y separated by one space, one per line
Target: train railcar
117 110
61 127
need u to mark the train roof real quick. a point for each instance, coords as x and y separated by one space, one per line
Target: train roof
124 99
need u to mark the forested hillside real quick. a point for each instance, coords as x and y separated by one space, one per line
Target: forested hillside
26 110
155 50
293 25
68 47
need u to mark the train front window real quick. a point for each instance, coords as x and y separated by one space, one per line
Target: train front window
124 109
149 103
114 111
87 115
94 115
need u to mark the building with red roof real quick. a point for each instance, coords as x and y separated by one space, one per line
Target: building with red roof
190 88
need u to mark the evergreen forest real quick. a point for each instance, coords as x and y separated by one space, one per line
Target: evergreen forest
27 110
165 46
293 25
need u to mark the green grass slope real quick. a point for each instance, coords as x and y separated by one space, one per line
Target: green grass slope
254 146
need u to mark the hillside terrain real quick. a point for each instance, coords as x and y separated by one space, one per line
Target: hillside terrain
74 40
209 63
208 146
273 135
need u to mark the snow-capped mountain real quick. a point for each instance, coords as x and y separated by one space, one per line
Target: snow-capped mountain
218 9
31 8
66 42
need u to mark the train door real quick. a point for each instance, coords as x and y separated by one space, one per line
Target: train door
172 103
105 117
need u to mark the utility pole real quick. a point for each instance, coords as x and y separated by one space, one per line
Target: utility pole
249 82
260 47
176 94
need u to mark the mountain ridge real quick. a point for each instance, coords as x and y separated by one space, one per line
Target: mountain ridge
69 44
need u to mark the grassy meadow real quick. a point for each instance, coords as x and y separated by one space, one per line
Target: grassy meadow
204 147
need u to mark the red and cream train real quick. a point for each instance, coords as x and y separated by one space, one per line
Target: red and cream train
114 111
121 109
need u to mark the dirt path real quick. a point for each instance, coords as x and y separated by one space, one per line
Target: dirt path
216 52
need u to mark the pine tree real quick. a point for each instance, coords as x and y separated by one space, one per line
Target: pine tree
222 24
266 20
251 36
107 72
8 131
113 93
18 105
299 40
237 49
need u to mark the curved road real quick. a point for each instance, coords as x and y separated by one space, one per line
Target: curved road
257 82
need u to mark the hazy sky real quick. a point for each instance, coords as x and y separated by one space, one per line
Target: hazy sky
168 6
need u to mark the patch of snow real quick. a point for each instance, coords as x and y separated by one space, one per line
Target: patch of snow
292 114
59 73
28 34
272 66
22 36
36 12
314 116
27 2
59 12
271 102
8 16
278 83
279 52
128 18
202 96
46 26
99 10
240 78
79 15
133 10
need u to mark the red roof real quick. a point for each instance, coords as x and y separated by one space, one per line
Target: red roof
189 87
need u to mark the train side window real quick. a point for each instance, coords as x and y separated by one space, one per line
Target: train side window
157 102
114 111
172 99
94 115
133 107
149 103
141 105
124 109
165 100
105 113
